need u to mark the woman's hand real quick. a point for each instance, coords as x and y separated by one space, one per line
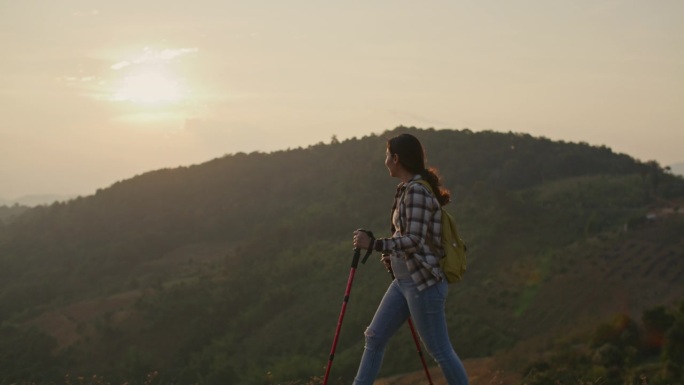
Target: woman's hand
387 261
361 240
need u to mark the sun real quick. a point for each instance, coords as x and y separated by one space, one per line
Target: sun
149 87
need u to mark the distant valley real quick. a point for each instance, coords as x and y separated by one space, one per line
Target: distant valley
678 168
35 200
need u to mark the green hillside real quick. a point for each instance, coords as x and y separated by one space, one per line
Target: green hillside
233 271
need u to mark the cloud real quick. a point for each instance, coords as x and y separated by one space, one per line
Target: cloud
169 54
154 56
121 65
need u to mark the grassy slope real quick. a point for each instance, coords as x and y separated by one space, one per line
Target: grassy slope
513 297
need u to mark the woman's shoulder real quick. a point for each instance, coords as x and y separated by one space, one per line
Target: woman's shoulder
417 190
416 185
419 186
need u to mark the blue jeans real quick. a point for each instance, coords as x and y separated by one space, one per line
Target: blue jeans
427 310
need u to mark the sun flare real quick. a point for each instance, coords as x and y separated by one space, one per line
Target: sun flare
151 87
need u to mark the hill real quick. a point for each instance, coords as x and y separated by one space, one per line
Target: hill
233 271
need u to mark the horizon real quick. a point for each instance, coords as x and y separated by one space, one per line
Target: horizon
98 92
32 200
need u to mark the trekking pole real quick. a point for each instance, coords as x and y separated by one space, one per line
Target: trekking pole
415 339
355 263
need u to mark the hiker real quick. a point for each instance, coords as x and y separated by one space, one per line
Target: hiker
420 288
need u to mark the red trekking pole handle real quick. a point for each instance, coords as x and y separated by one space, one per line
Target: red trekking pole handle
345 300
357 251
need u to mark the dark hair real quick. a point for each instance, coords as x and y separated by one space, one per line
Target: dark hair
412 158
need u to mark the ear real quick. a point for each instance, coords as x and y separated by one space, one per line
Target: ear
395 158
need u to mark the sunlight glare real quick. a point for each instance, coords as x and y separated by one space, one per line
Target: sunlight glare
152 87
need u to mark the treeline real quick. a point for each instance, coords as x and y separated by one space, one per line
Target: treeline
7 213
624 351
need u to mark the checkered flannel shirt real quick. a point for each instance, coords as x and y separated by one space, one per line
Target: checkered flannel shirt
419 219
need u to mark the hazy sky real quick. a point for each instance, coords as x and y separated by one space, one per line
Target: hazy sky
96 91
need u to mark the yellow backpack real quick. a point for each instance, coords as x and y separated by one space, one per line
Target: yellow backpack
454 260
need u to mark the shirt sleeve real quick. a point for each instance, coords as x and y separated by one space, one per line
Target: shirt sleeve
416 219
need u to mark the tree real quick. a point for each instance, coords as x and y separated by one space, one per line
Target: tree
673 352
656 323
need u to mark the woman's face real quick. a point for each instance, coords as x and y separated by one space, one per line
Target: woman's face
391 162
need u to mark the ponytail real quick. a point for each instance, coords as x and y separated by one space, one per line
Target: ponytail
431 175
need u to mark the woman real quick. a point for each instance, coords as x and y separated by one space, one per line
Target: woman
420 287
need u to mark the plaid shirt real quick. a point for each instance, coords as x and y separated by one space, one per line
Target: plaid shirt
417 225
